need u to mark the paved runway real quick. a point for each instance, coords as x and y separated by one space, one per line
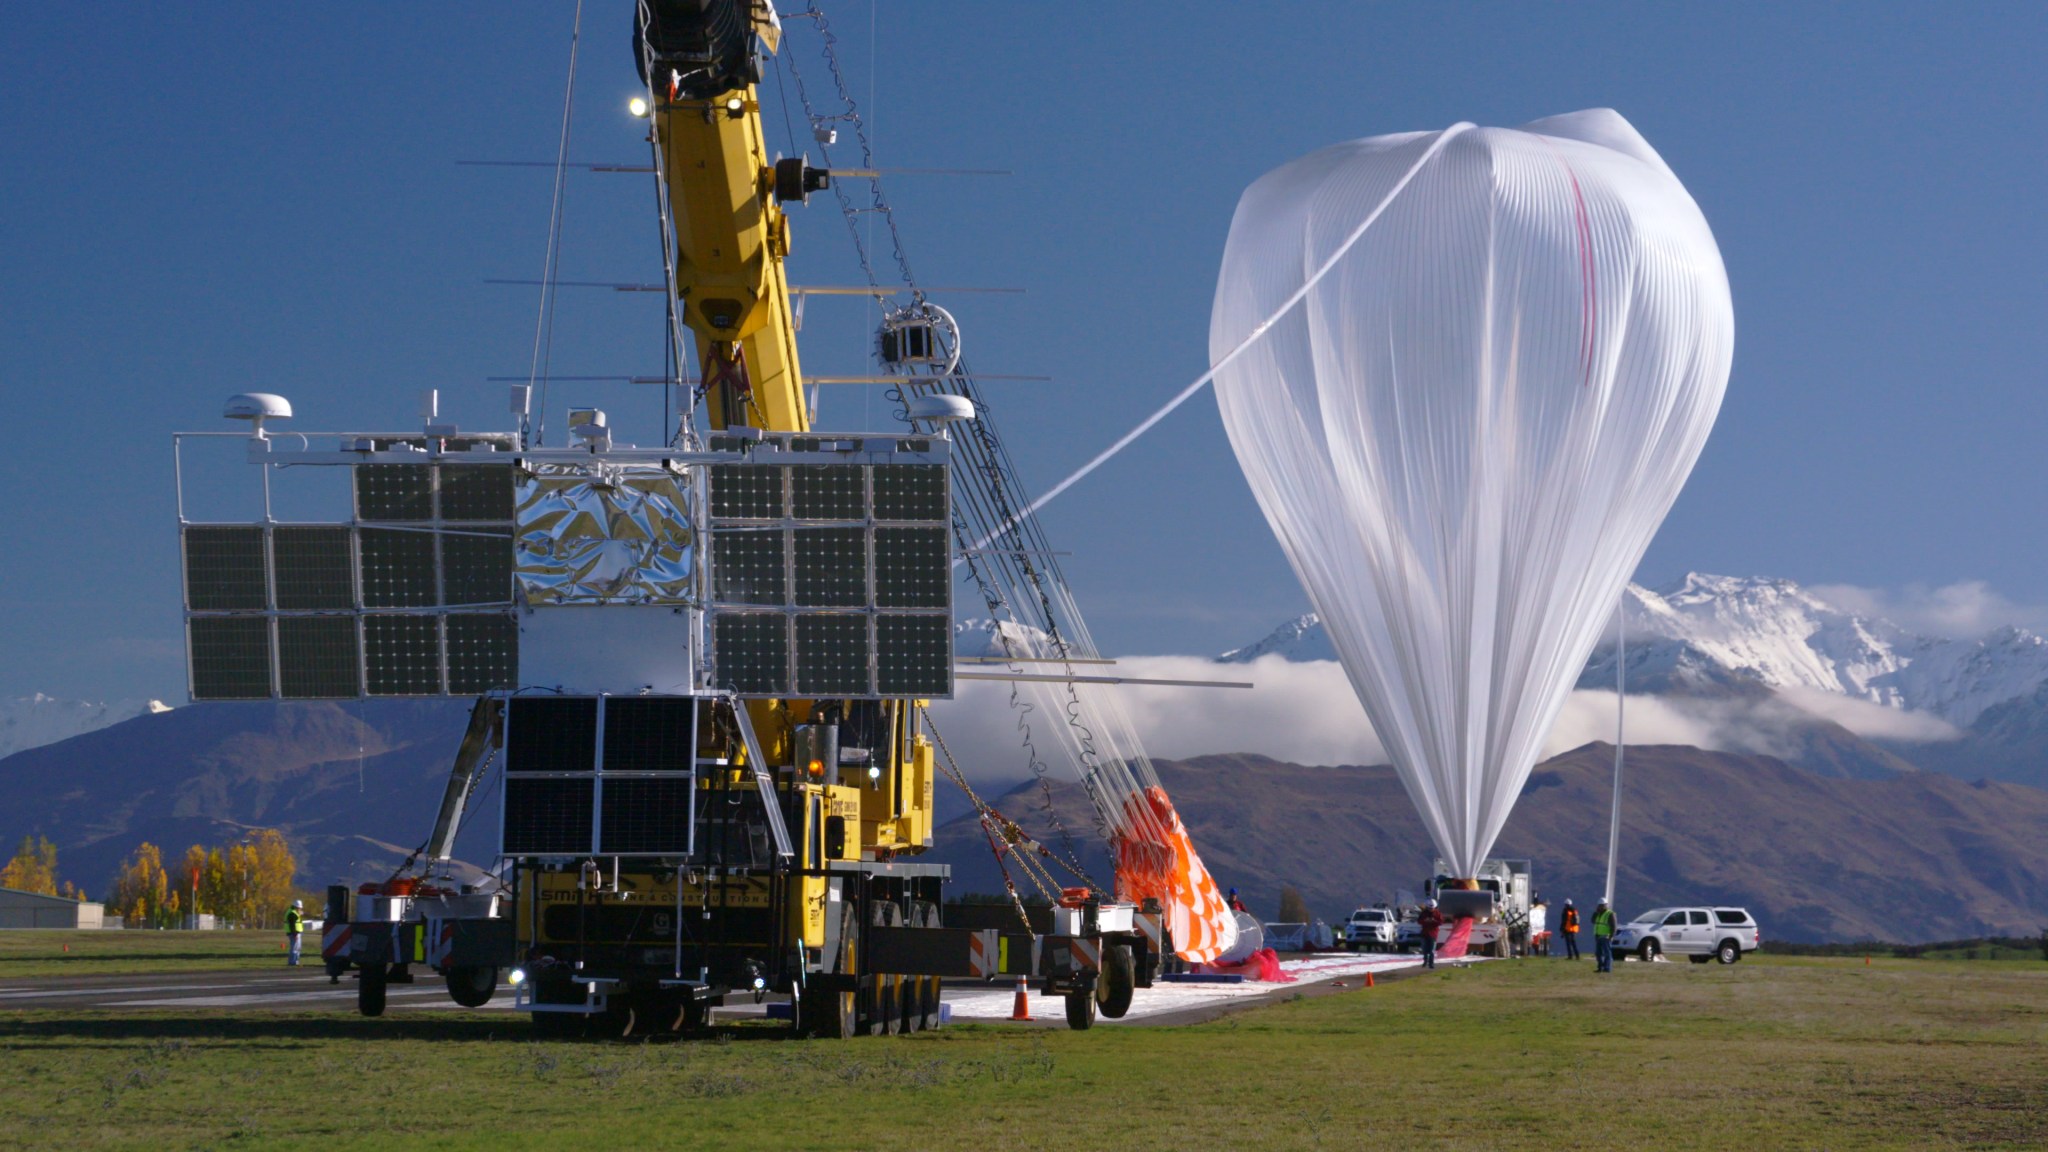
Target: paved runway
307 988
281 987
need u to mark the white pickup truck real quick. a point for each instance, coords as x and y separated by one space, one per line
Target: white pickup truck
1371 929
1701 934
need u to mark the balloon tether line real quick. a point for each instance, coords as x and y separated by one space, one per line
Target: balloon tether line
1261 329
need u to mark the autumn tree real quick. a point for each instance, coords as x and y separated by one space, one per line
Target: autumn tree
1293 909
33 869
141 887
257 877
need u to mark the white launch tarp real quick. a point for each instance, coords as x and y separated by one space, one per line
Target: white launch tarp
1489 358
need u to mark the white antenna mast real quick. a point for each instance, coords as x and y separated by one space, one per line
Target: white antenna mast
1620 712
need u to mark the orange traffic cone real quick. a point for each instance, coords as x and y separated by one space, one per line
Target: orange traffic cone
1021 1010
1368 980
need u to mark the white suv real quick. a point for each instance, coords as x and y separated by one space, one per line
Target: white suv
1371 929
1701 934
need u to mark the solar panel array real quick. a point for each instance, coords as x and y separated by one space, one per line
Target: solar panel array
591 775
413 599
831 580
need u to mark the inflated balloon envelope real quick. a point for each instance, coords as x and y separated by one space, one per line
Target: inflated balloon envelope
1466 374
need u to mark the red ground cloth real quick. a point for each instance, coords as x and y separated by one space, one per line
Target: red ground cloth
1453 946
1263 965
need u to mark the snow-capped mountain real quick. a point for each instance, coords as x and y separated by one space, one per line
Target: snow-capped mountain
33 721
1706 630
980 637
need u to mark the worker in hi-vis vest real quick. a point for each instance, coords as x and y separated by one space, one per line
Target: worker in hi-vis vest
1569 929
1603 938
294 928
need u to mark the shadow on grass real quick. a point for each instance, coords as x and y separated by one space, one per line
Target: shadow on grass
286 1031
252 959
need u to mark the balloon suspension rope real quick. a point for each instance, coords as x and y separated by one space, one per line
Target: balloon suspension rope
1005 835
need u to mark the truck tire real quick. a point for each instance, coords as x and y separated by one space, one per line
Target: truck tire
934 1003
1649 950
1729 952
370 987
909 1004
1119 977
472 986
1081 1010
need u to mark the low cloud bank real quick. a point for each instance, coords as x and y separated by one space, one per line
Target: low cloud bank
1959 611
1306 713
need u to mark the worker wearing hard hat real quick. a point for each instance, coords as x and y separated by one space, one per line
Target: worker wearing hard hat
1427 922
294 928
1569 929
1603 938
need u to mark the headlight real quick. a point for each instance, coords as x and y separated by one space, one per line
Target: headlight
760 983
516 977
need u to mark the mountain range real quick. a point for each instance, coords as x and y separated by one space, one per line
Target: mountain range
33 721
1918 857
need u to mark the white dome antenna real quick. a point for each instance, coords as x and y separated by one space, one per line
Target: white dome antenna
256 407
940 409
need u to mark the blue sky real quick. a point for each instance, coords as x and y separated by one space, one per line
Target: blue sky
199 202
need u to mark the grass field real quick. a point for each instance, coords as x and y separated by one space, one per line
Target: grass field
1770 1053
60 953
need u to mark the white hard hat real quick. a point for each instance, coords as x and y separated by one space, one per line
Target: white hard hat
1429 903
298 903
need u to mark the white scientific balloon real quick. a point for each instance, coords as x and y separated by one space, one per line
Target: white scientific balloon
1466 374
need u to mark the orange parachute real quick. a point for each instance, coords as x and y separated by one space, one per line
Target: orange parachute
1155 859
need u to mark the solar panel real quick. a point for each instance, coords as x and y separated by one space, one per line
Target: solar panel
551 734
318 658
402 655
394 492
913 568
230 657
646 815
749 567
751 652
548 815
483 652
315 568
915 492
913 654
475 569
225 569
398 568
648 734
828 492
832 655
476 492
747 492
831 567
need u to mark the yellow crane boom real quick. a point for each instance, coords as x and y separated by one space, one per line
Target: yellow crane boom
732 236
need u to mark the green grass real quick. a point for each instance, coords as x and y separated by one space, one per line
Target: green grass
1768 1054
54 952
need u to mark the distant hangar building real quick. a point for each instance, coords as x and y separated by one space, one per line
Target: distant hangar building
20 909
